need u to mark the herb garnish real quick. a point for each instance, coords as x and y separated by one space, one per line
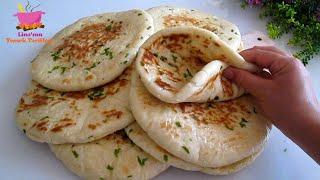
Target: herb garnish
46 90
109 27
141 161
228 127
178 124
124 62
186 149
148 27
164 59
92 66
62 69
187 74
56 55
300 18
108 53
165 158
110 168
243 122
254 110
129 176
96 94
174 57
155 54
44 118
75 154
173 65
53 69
116 152
24 131
139 14
101 178
189 41
127 54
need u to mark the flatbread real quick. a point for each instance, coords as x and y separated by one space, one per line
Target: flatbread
184 64
141 139
169 16
75 117
92 51
206 134
112 157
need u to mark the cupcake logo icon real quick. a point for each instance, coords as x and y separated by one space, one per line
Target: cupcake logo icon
29 18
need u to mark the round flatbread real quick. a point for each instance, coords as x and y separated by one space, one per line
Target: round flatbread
141 139
75 117
178 65
168 16
112 157
206 134
93 51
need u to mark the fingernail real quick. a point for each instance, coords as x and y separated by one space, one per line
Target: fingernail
228 73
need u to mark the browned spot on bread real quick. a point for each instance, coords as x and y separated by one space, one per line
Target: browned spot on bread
88 40
89 77
93 126
37 100
66 81
63 123
206 43
216 44
113 112
119 137
169 74
115 85
178 20
76 95
125 169
172 42
171 21
149 58
182 106
222 113
164 85
209 85
227 87
41 125
57 101
169 128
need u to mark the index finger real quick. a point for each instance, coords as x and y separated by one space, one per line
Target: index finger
265 58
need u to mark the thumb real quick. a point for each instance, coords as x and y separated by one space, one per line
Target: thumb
253 84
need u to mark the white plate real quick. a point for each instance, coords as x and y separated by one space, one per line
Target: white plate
21 158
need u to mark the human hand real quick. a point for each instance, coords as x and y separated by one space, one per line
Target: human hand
285 95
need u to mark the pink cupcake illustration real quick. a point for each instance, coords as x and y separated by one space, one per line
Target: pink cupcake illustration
28 18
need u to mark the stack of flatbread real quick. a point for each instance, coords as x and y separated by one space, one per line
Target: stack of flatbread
126 95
